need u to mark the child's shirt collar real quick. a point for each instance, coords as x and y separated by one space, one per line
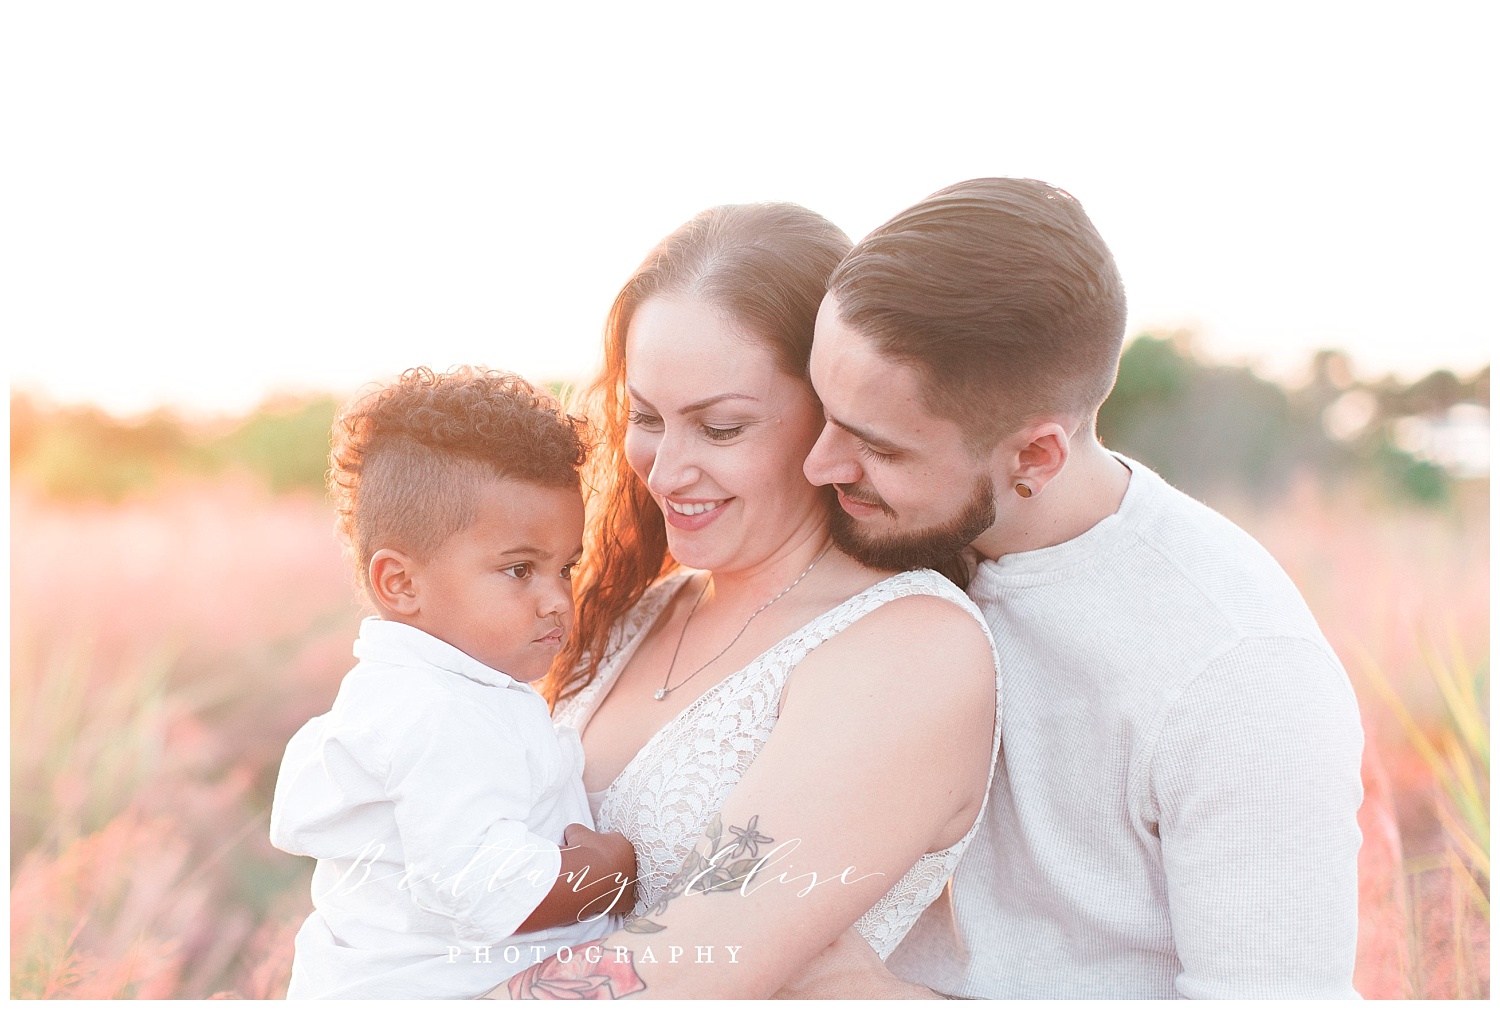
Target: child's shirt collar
400 644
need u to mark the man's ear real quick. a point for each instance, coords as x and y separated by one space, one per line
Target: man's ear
391 582
1041 456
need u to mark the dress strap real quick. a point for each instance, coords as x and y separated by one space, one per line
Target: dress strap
922 582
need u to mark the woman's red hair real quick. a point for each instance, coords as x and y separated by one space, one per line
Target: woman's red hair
766 266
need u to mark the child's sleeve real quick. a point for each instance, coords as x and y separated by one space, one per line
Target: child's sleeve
298 799
462 789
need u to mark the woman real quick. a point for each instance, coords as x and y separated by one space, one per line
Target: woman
783 733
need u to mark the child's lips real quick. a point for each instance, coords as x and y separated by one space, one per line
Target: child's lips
553 637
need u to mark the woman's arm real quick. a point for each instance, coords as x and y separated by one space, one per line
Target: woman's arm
881 753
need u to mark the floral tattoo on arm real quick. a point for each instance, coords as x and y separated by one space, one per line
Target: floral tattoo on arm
726 867
589 972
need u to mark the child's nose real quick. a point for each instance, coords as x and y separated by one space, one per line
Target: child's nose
557 599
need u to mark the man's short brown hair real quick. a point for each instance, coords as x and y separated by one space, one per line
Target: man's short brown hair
1003 295
408 459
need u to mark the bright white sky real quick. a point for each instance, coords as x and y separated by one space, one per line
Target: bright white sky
209 201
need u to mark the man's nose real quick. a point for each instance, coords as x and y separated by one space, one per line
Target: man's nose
832 459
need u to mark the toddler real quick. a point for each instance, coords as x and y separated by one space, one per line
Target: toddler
435 793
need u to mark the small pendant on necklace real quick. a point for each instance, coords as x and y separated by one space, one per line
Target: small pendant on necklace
661 693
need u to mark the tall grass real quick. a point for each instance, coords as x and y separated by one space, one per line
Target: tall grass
1456 755
1403 596
162 653
164 649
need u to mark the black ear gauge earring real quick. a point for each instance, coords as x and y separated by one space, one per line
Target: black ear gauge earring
1024 490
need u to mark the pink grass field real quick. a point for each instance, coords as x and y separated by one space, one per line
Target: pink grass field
164 650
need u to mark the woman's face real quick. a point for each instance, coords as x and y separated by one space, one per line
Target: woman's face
718 434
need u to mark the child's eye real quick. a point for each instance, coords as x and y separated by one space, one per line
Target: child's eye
521 571
722 434
568 570
643 420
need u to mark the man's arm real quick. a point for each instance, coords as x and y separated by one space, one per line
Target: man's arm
1255 780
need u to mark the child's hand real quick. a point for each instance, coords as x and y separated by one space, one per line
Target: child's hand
607 855
597 878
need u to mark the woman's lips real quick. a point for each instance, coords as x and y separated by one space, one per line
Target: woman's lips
692 515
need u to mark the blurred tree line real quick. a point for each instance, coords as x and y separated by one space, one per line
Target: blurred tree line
1213 428
84 453
1208 428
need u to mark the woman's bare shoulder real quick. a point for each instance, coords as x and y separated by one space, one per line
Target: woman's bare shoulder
918 639
915 675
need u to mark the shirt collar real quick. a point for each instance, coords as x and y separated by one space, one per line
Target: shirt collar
400 644
1045 563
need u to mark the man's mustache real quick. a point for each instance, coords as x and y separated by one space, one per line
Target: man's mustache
865 496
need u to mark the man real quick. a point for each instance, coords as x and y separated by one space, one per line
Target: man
1174 809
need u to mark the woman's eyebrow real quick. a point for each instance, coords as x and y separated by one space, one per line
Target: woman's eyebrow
709 401
696 405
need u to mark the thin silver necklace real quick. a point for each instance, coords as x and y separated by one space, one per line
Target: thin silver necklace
664 690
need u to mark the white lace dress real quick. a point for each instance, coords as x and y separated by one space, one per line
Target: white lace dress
664 798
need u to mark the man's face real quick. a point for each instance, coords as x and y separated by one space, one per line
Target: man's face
910 492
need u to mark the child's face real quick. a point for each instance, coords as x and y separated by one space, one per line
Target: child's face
501 589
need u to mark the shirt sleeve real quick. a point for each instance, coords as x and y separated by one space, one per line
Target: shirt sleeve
295 803
1255 779
462 786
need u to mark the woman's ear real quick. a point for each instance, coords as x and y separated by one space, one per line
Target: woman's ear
391 582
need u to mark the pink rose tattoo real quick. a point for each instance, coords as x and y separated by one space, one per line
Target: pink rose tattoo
611 976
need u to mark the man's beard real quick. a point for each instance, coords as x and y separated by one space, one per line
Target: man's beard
930 548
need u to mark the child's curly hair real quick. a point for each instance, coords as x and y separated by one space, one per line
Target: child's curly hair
407 459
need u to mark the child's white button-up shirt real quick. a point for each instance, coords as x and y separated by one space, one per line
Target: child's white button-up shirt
434 796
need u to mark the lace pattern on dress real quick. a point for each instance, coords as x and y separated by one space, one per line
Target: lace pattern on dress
665 796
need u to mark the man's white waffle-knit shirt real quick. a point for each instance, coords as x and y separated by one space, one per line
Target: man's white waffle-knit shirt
1174 809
